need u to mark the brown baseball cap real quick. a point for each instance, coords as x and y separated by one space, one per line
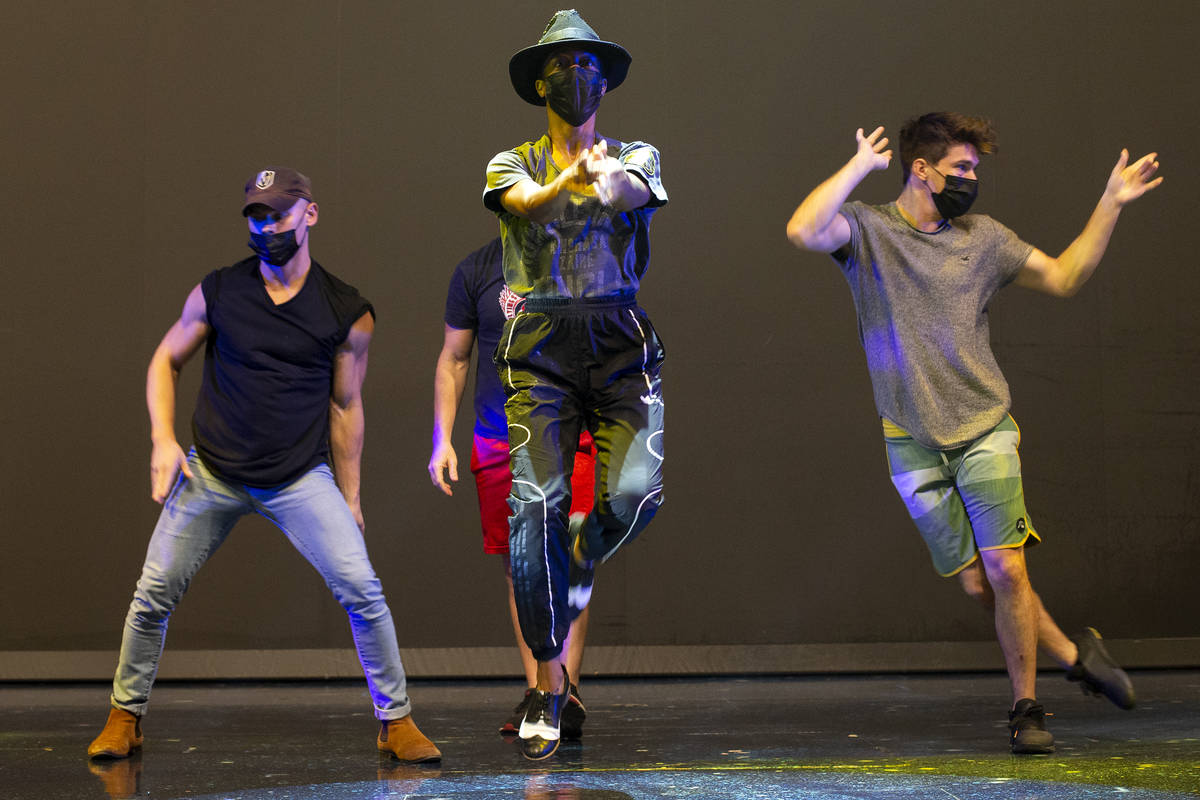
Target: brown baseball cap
277 187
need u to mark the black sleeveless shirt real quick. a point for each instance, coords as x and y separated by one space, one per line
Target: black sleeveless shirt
262 417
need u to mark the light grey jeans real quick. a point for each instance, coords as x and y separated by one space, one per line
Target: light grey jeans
311 512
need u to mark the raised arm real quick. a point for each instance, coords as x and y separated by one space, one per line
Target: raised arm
177 346
816 224
1063 276
449 381
347 422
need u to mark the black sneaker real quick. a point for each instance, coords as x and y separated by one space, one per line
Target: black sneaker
540 729
574 713
1097 673
581 573
513 723
1027 723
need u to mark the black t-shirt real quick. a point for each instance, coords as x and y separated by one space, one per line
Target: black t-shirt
475 302
262 416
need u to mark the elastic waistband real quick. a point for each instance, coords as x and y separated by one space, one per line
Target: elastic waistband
576 305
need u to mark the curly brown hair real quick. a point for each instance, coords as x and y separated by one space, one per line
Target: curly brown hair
930 136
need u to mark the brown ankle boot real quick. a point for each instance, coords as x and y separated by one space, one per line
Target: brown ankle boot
122 735
401 738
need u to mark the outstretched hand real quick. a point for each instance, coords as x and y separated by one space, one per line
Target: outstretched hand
871 149
1130 181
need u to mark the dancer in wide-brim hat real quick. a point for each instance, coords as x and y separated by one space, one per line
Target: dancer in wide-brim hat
579 353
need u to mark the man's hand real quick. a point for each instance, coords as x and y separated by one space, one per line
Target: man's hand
577 177
607 173
442 461
816 224
166 460
595 171
871 154
1064 275
615 187
1130 182
356 510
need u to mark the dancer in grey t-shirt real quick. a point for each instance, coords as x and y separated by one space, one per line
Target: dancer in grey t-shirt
922 272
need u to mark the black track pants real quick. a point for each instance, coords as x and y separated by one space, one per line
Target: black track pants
567 366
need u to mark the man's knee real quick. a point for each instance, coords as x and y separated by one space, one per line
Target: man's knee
360 593
1005 568
157 593
633 506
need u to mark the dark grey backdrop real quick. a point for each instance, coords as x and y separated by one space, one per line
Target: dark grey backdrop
129 128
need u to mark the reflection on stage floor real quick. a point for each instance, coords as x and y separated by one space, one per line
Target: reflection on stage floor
880 737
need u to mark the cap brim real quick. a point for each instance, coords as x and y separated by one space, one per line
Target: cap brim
279 202
525 67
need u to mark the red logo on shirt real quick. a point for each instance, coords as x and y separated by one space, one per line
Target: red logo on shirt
510 302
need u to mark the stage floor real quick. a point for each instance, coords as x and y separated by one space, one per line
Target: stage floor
883 737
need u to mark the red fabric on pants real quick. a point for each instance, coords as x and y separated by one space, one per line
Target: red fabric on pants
493 482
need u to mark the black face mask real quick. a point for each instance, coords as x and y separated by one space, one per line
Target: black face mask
956 196
574 94
276 249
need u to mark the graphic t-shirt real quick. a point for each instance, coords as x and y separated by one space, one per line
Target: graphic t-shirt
592 250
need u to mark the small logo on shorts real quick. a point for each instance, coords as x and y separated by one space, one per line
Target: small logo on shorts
1021 525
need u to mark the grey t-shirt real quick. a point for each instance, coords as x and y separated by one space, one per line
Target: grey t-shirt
592 250
922 303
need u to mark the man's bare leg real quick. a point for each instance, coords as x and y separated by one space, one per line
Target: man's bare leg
1016 614
1095 668
1051 640
574 646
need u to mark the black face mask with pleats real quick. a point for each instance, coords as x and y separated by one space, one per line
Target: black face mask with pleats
276 249
574 93
956 196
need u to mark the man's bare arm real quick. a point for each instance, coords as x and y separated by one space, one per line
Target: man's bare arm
449 382
347 422
816 224
176 348
1063 276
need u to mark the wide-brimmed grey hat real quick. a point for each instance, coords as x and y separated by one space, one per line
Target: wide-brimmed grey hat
565 29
